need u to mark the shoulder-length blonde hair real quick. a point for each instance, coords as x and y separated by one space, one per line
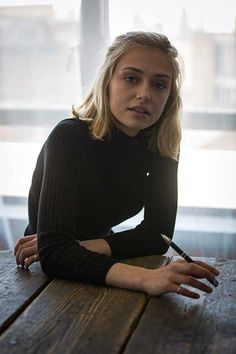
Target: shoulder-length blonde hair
166 133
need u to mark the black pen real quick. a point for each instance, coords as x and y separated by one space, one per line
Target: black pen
184 255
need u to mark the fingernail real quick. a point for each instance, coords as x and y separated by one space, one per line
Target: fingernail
215 282
216 272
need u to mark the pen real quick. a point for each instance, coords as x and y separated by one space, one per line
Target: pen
184 255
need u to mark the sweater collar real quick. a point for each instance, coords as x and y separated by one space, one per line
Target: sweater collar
119 138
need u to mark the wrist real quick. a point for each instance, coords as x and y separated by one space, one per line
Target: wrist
127 277
97 245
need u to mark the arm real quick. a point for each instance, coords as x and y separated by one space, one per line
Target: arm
159 214
97 245
153 282
163 280
63 164
26 249
159 217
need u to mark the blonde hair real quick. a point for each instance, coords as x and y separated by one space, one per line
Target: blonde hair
166 133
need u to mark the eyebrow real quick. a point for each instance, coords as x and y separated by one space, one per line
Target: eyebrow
141 71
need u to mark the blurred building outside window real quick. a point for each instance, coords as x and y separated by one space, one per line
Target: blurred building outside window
47 64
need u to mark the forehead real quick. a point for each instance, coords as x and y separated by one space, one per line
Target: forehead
150 60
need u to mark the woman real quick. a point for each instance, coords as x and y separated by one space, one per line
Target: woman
118 154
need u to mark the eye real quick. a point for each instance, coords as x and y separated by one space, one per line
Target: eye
131 79
160 85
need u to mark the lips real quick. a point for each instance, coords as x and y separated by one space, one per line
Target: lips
140 109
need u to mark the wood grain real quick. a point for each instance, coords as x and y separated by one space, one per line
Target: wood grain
18 287
70 317
173 323
150 262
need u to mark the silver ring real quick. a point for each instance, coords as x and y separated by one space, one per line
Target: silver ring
179 289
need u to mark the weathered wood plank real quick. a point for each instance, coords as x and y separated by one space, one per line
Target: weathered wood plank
18 287
173 323
69 317
150 262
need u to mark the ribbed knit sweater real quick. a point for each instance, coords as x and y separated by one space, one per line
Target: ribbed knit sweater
82 187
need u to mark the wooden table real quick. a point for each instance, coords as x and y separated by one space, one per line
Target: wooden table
38 315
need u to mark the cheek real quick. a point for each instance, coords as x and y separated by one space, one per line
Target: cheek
164 102
111 97
116 99
160 106
115 106
112 102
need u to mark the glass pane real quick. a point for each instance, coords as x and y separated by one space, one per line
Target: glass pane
204 32
40 80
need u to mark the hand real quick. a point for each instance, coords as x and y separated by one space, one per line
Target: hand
170 278
26 251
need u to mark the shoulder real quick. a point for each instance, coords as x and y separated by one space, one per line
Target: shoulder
70 127
70 130
68 136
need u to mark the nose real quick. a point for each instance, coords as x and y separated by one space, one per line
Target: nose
143 93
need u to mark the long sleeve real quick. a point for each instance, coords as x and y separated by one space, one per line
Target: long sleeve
160 207
82 187
60 165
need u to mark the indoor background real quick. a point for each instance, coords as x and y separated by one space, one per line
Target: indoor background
49 54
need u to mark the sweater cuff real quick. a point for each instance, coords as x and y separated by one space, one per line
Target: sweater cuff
135 243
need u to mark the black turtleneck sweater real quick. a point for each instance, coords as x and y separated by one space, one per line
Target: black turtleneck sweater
82 187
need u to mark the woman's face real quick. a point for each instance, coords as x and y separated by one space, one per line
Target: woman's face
139 88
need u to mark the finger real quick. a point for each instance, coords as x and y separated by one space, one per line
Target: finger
211 276
180 290
26 245
26 253
201 264
201 272
186 292
30 260
191 281
23 240
208 267
195 270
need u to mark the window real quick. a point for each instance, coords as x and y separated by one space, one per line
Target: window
40 80
49 53
205 34
48 62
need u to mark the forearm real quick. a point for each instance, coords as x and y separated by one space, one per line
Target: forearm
97 245
163 280
127 276
66 259
119 275
140 241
